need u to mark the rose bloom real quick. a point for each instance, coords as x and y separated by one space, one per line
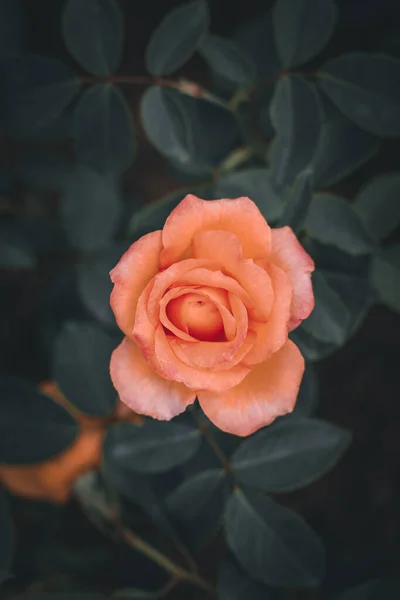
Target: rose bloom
206 306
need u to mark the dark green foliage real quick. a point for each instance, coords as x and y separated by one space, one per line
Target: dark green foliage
378 206
90 208
375 589
302 29
6 539
93 33
177 37
103 129
289 455
296 117
81 360
228 60
154 447
385 276
235 584
11 27
298 200
15 250
366 88
272 543
33 427
332 220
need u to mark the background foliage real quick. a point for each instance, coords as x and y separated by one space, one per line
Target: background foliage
288 109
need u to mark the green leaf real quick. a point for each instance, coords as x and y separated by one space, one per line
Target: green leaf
329 322
193 134
95 285
295 113
15 250
342 148
177 38
374 589
228 60
255 183
11 27
81 368
155 447
257 40
62 596
33 428
307 398
6 539
366 88
385 276
234 584
272 543
311 348
332 220
298 201
378 205
302 29
90 209
289 455
198 503
103 129
38 91
93 33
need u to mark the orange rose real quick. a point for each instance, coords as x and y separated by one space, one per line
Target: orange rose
206 305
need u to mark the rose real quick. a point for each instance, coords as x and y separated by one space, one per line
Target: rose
206 305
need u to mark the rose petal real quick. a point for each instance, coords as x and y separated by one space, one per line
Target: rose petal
217 355
269 391
272 334
240 216
193 378
140 388
224 247
131 275
228 320
289 255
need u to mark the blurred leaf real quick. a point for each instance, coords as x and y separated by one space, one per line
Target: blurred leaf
95 285
366 88
332 220
311 348
257 40
103 127
378 205
193 134
307 398
385 276
228 60
44 171
38 90
6 539
81 368
155 447
298 201
329 321
255 183
198 503
272 543
11 27
93 33
15 250
295 113
62 596
177 37
234 584
90 209
375 589
302 29
342 148
289 455
33 428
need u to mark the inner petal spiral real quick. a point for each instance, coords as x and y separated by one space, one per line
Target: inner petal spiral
197 315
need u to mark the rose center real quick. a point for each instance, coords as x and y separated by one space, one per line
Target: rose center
197 315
